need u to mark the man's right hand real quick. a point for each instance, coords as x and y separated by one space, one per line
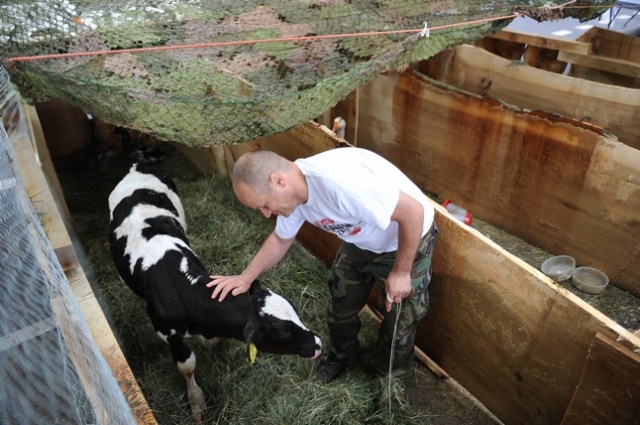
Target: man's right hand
225 284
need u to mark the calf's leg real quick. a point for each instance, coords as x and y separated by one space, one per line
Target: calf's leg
185 360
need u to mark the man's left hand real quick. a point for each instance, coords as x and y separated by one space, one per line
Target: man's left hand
398 287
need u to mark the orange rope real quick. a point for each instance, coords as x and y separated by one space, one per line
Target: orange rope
244 42
266 40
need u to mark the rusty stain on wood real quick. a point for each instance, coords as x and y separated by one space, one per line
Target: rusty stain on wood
545 180
478 71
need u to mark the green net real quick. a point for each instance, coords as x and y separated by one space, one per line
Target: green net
226 71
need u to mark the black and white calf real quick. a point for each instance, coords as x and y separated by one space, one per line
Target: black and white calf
152 255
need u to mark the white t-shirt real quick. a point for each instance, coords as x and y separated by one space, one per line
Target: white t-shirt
352 193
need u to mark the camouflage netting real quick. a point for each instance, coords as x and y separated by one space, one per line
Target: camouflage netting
219 95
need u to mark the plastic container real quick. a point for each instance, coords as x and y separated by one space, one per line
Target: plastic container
559 268
590 280
458 212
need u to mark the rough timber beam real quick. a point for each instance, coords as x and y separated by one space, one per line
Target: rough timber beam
547 42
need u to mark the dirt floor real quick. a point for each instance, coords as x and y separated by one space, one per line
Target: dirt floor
447 402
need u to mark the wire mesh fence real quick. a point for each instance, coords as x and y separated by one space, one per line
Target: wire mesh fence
50 367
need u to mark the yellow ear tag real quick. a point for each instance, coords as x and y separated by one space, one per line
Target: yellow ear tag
253 352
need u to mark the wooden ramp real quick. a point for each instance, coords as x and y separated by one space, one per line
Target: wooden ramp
43 189
517 341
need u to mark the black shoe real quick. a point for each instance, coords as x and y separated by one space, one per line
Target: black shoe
330 368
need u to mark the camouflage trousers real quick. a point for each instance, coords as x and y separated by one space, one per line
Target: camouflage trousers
351 278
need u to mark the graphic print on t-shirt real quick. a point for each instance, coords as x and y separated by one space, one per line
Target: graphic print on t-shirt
337 228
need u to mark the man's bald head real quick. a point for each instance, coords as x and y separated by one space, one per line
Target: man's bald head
254 168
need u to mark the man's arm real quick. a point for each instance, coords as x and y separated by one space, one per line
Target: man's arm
269 254
409 214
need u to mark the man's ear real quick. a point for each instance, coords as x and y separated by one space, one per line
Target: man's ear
277 179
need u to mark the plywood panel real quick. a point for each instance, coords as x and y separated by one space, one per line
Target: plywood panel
547 42
42 198
609 390
606 44
612 65
554 184
66 127
514 339
612 44
48 169
298 142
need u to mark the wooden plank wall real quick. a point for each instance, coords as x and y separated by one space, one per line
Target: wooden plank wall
556 185
41 191
499 327
66 126
502 329
615 58
605 382
478 71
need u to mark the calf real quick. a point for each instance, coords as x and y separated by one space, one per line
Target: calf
153 257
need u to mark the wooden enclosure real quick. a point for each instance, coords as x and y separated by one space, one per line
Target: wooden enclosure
529 350
615 58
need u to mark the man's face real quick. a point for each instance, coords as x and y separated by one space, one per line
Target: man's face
277 200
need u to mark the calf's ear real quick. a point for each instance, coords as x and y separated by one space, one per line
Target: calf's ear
250 329
249 334
255 287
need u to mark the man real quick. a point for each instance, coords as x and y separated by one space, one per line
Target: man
388 233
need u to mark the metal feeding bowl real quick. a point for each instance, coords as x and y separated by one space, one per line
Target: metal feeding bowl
590 280
559 268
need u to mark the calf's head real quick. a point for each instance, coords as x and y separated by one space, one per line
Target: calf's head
275 327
